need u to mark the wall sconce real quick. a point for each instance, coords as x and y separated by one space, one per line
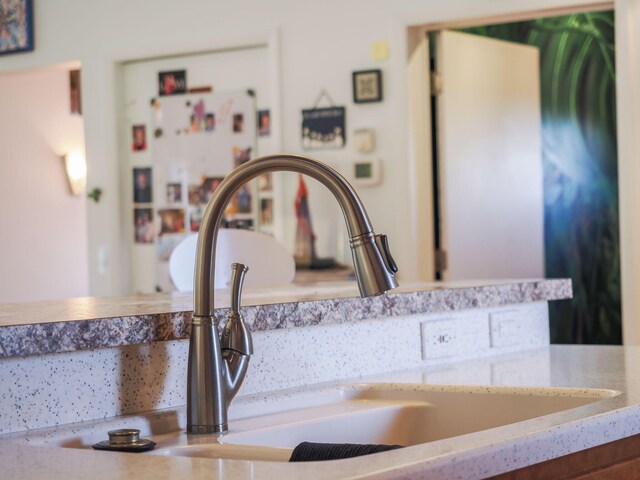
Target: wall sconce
76 167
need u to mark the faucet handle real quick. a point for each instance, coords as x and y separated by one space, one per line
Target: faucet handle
236 336
238 272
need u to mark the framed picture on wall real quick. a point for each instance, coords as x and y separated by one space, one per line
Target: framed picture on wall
171 83
323 128
367 86
16 26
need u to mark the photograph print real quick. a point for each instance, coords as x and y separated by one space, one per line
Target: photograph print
171 220
143 225
174 193
139 135
264 123
172 83
142 185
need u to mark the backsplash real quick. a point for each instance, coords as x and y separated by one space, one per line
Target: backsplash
55 389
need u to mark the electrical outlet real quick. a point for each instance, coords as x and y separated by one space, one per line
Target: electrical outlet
438 339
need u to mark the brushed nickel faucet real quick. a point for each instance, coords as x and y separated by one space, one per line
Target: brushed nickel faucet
217 367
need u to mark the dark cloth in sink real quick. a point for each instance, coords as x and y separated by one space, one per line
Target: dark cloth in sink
315 452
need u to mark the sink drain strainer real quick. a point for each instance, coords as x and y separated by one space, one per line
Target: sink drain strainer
125 440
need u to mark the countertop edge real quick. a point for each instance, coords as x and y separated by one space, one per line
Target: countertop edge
89 333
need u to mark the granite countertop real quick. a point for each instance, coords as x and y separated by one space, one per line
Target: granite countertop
475 455
95 322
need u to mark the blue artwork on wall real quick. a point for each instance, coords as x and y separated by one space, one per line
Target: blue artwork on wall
577 67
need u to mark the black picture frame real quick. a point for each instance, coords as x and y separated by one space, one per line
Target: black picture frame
16 32
172 82
367 86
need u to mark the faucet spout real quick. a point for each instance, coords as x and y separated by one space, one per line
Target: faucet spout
210 388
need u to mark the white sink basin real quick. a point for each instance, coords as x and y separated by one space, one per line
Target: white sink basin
415 414
382 414
401 414
356 421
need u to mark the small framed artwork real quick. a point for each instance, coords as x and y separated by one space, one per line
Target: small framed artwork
172 83
367 86
323 128
16 26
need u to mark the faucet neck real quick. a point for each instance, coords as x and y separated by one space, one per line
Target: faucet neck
354 213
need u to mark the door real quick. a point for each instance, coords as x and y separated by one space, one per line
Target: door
489 157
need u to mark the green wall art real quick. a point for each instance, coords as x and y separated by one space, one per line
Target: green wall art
580 168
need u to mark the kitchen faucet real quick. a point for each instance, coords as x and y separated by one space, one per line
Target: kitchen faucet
217 367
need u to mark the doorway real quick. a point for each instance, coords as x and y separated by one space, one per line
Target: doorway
44 221
579 164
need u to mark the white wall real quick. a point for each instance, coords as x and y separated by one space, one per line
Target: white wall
43 244
321 44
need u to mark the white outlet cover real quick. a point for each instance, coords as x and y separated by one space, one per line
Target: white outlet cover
438 339
505 329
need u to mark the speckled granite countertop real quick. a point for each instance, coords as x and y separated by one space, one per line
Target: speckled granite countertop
93 322
471 456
